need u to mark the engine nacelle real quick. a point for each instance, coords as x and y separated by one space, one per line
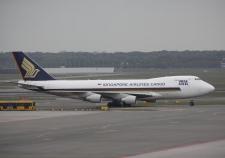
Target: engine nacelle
130 99
94 98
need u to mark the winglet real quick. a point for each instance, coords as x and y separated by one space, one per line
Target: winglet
29 69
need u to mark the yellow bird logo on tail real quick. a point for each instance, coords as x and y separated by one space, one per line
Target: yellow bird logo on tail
30 69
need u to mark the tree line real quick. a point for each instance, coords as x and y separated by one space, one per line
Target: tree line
159 59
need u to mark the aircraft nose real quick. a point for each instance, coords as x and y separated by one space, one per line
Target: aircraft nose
210 87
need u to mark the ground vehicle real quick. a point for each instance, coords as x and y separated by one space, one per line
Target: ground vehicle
17 105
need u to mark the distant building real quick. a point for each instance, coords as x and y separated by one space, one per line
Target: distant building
223 63
64 70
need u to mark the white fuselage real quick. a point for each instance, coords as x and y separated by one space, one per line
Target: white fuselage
172 87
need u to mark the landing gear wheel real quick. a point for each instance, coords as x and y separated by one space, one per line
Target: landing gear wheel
114 104
118 104
192 103
110 104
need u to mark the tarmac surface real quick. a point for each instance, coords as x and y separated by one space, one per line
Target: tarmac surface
176 131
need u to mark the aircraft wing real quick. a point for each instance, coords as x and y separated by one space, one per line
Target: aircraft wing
105 95
140 96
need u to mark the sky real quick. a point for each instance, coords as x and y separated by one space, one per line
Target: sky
111 25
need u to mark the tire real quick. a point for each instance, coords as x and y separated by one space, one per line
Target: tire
191 103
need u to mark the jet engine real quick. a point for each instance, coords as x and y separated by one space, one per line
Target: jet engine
94 98
130 99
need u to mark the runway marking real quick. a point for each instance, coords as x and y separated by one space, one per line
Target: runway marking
206 149
219 113
173 123
108 131
46 139
171 109
106 126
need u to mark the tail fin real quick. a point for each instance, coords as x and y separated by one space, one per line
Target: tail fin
29 69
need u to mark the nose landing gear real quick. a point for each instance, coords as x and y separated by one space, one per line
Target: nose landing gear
191 103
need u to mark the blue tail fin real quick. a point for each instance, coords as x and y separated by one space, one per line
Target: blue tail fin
29 69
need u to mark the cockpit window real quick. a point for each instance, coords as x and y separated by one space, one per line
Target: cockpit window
197 78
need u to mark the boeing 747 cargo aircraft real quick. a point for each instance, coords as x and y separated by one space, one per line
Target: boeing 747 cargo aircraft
116 92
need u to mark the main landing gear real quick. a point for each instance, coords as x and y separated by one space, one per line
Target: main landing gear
117 104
